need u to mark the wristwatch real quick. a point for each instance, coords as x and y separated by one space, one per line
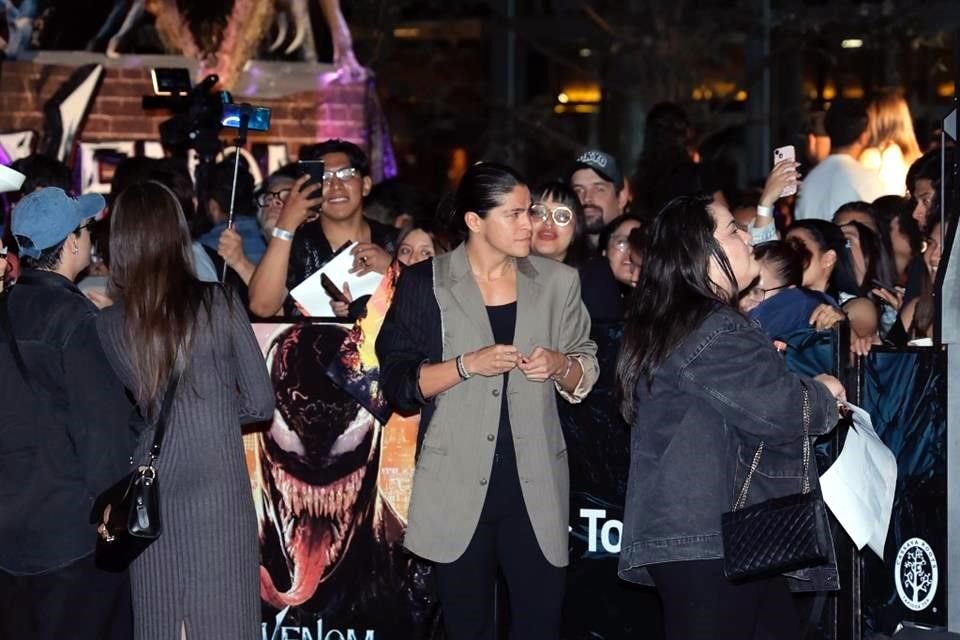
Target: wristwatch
283 234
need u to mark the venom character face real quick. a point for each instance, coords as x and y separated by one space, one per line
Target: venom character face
318 466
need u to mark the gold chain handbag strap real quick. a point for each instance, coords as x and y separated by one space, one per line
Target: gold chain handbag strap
805 483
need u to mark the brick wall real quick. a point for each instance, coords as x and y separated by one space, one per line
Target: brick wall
300 118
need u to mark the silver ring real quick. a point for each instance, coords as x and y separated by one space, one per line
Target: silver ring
363 259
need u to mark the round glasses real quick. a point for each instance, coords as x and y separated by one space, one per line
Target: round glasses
562 215
281 196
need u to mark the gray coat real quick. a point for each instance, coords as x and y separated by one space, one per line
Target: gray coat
438 313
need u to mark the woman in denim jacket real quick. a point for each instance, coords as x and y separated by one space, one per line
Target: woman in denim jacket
702 387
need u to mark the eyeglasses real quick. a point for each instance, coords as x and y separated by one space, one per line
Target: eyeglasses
620 245
281 196
562 215
343 174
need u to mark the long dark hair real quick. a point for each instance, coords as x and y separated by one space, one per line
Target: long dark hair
152 273
481 189
675 292
878 263
827 236
561 193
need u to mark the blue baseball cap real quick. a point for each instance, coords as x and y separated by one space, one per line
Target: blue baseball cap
45 218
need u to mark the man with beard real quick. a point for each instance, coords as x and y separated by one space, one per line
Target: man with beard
603 192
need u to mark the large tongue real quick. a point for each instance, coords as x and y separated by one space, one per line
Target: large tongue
308 549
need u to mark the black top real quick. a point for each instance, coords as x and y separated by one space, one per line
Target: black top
503 321
311 250
65 437
604 297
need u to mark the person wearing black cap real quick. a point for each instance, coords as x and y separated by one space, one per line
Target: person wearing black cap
604 194
65 433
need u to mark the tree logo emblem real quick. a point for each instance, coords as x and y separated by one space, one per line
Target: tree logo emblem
916 574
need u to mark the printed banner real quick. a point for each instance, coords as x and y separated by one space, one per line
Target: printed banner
331 484
905 394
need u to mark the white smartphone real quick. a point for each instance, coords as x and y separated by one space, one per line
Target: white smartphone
779 155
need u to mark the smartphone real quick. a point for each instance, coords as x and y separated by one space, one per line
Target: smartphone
259 117
779 155
314 169
332 289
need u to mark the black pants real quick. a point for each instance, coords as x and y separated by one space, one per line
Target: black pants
504 538
79 602
699 602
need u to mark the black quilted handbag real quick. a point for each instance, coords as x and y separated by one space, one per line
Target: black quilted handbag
778 535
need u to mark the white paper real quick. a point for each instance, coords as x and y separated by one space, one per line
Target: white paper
860 484
10 179
310 295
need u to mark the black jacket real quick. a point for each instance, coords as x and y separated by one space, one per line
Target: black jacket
65 437
311 251
716 396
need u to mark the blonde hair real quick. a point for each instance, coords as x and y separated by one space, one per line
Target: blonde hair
890 123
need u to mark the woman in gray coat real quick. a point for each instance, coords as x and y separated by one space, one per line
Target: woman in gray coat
199 579
482 339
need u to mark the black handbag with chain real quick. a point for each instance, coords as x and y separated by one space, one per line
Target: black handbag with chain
133 521
777 535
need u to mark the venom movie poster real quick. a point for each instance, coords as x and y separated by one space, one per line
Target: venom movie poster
331 482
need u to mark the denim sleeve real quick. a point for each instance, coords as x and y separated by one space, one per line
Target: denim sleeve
402 345
740 374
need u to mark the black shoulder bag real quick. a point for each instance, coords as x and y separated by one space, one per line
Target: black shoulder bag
780 534
128 513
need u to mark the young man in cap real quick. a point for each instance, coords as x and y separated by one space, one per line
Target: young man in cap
65 433
604 194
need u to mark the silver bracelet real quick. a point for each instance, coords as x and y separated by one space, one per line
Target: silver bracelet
283 234
462 370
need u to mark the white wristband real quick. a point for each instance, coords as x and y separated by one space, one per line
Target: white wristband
764 212
283 234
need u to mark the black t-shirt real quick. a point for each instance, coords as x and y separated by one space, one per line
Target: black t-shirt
311 250
503 322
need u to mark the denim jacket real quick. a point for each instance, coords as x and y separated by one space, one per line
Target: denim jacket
716 396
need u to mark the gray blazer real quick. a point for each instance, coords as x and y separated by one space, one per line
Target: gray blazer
438 313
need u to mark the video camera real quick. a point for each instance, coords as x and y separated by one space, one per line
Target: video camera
199 113
196 112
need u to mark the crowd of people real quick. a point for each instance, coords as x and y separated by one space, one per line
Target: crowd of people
491 318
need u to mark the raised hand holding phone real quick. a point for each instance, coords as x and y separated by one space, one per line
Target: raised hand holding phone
299 206
783 178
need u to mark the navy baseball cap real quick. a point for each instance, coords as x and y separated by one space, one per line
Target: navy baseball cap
45 218
604 164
